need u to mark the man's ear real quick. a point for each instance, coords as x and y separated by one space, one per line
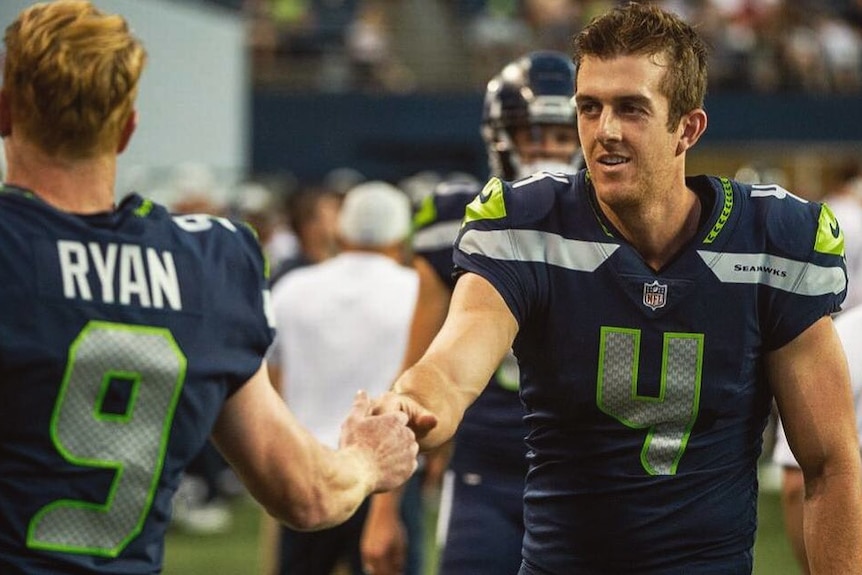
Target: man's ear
5 115
128 130
693 127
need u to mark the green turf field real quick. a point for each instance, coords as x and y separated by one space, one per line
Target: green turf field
236 552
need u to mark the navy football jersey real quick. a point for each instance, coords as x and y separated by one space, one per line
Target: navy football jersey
121 336
492 431
645 392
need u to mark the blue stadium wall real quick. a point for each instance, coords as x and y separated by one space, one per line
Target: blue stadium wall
390 137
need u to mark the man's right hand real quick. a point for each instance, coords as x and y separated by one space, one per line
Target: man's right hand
385 439
420 419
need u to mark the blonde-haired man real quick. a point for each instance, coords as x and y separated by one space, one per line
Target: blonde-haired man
129 336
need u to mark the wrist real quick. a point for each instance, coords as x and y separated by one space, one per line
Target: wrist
360 460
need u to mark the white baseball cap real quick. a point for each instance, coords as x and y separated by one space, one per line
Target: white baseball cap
374 214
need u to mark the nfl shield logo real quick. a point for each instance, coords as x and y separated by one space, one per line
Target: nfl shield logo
655 295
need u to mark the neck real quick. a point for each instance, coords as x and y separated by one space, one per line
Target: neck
84 186
658 231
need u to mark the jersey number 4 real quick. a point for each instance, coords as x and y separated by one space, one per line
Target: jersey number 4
146 368
668 417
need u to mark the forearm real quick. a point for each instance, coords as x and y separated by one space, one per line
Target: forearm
792 503
477 334
429 386
310 486
833 523
298 480
344 481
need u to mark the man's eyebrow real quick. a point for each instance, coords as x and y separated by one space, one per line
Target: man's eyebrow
636 99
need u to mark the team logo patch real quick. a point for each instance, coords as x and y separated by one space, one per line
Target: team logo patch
655 295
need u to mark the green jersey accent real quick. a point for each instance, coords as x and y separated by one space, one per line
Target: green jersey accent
830 237
488 205
426 214
144 209
726 209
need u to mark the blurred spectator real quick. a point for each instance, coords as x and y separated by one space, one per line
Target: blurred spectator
553 22
342 180
842 50
343 324
374 63
256 204
193 189
801 51
280 27
762 45
758 173
496 33
313 217
420 185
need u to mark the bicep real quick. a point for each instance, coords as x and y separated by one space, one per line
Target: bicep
811 383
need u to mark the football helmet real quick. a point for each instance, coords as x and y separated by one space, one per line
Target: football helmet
533 90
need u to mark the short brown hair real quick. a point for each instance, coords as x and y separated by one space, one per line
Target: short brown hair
71 77
646 29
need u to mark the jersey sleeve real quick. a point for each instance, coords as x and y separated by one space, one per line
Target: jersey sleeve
496 242
242 303
807 237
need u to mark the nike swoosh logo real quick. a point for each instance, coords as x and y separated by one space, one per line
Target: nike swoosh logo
485 196
835 229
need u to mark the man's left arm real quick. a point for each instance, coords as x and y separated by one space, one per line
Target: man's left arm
811 383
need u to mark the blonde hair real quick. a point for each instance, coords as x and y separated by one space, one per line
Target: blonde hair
71 77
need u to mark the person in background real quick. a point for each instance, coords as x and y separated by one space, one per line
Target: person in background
342 321
654 316
263 209
130 336
528 125
848 324
312 215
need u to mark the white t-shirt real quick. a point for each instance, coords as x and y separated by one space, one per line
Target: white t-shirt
849 327
341 325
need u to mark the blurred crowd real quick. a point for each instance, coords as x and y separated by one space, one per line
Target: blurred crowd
438 45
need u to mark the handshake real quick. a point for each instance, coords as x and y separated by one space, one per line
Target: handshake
385 432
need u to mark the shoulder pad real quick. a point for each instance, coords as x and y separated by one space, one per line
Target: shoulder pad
520 202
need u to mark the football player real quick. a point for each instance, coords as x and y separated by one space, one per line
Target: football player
129 336
654 317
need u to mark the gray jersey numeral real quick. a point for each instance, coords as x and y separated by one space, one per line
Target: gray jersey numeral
668 417
508 375
131 444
